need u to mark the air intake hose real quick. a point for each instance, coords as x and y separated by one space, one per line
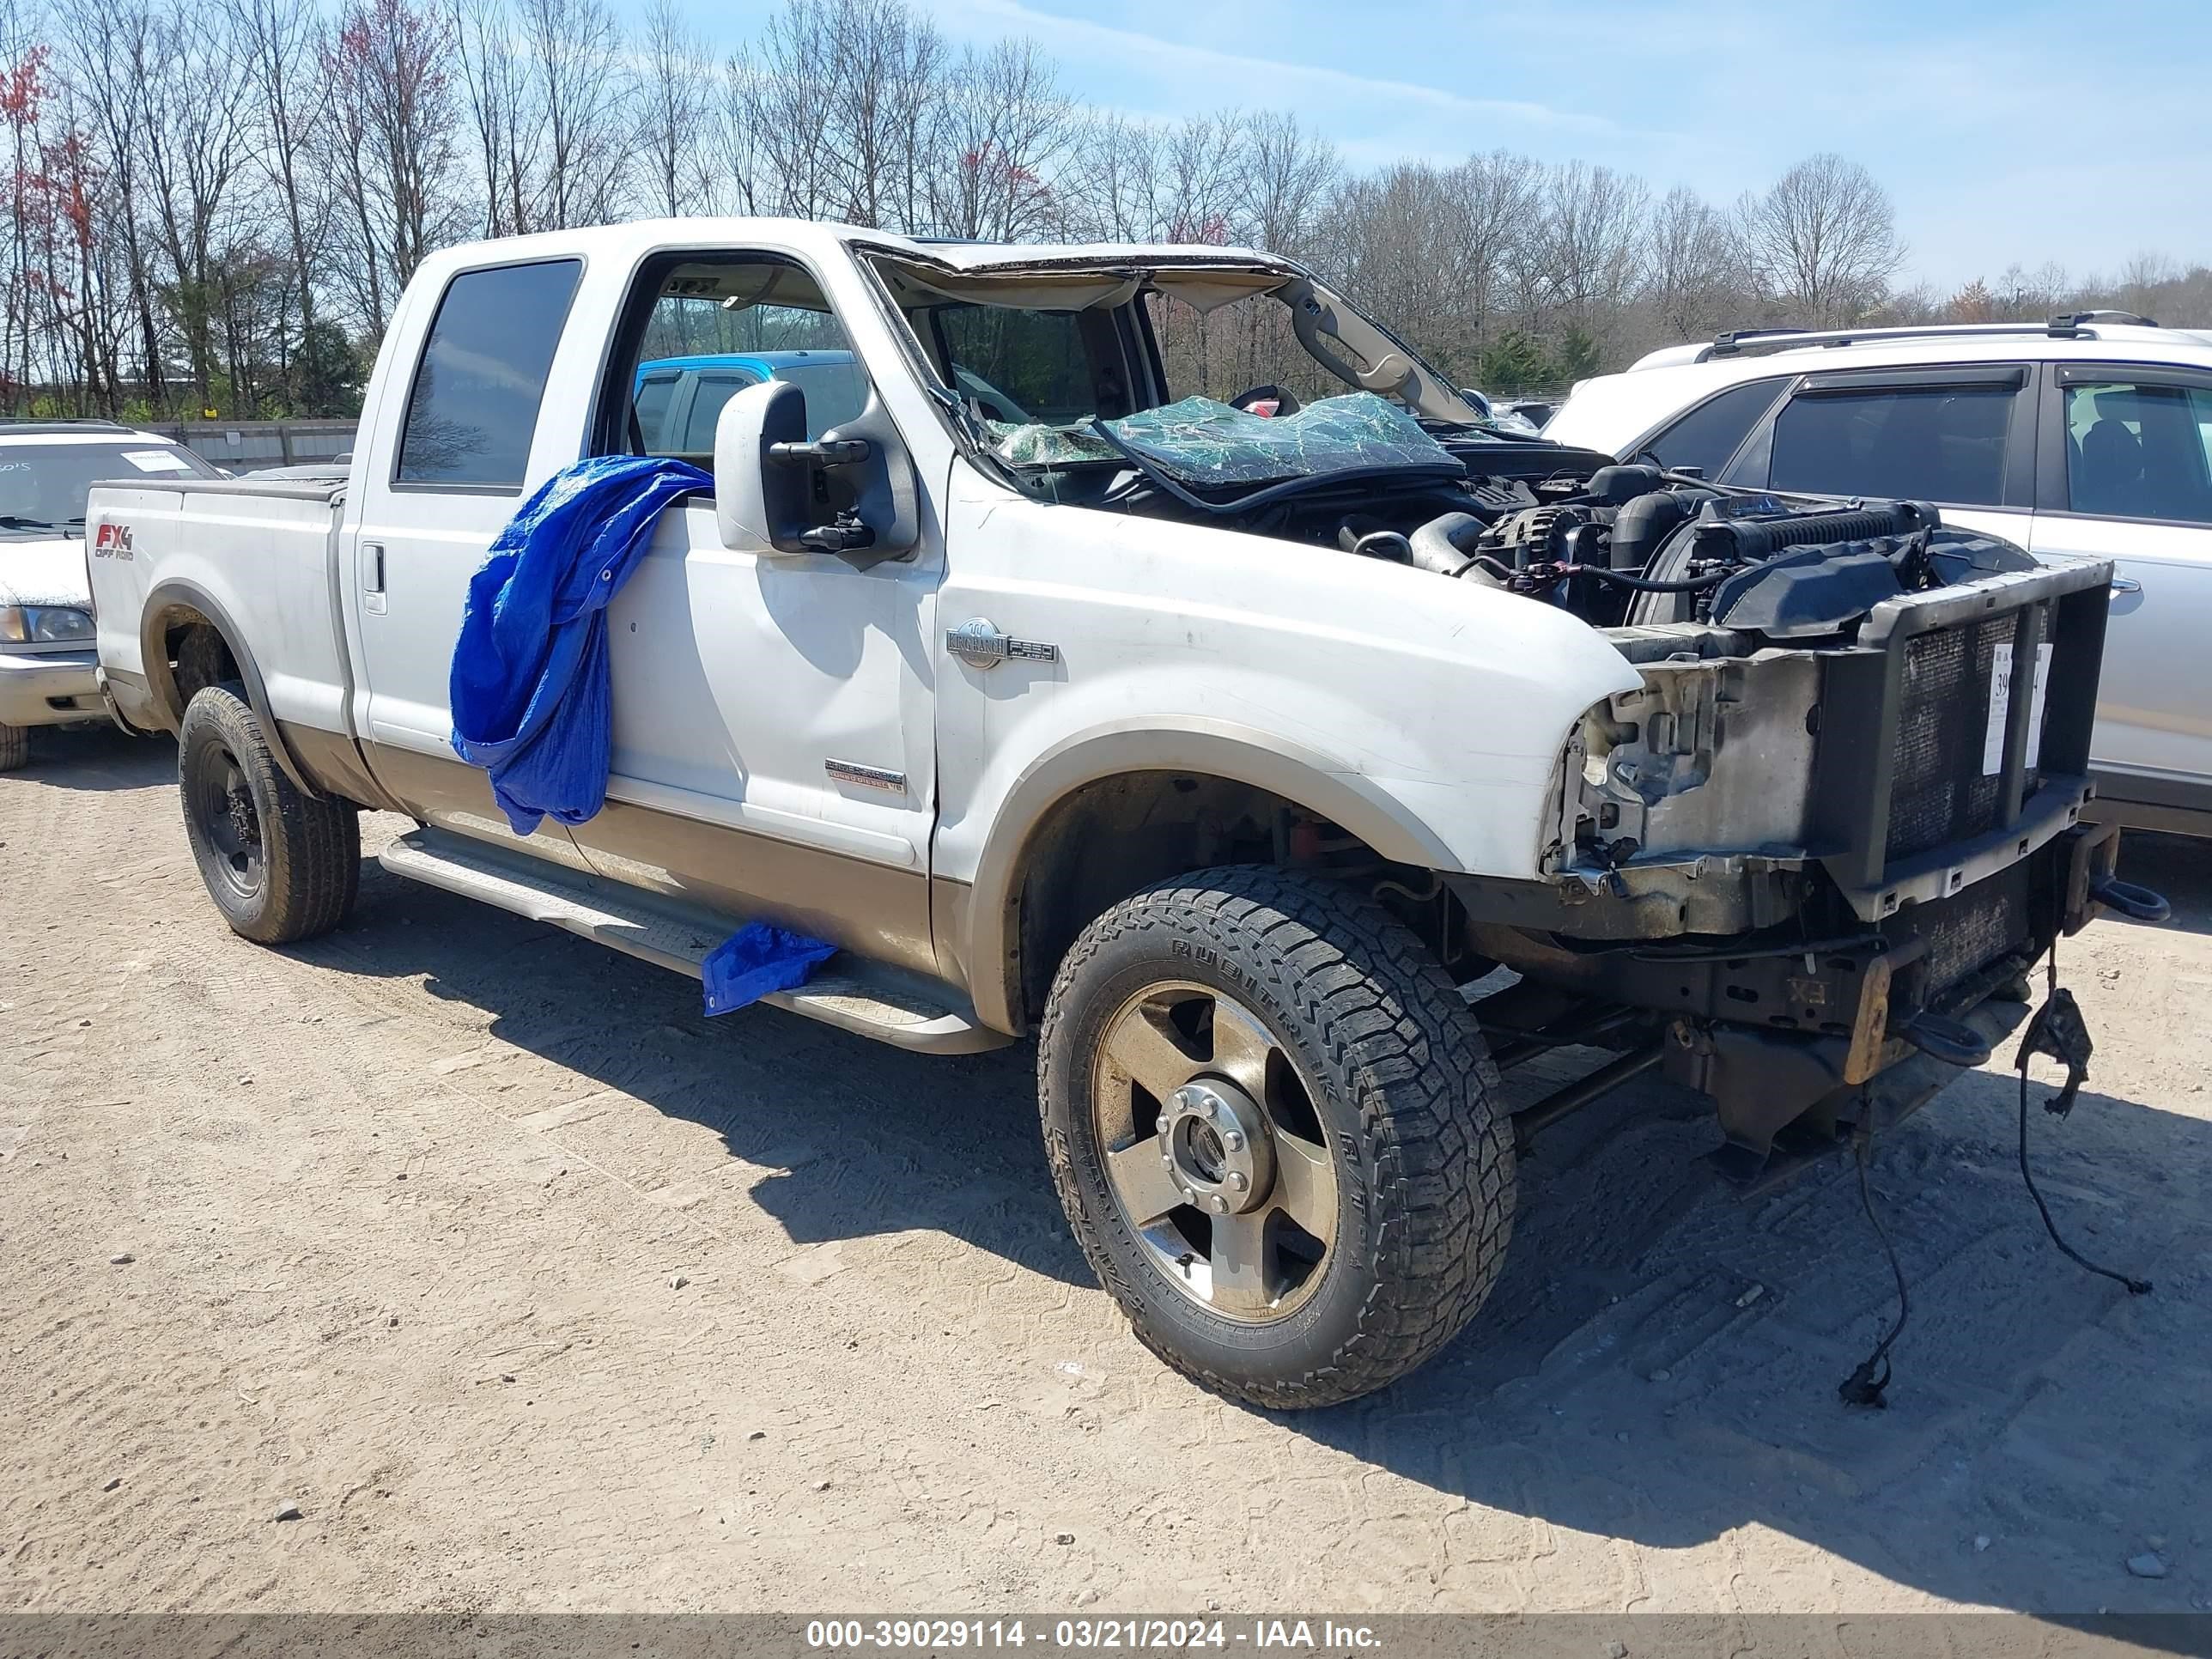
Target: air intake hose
1437 544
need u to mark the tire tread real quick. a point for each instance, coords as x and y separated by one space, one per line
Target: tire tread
311 848
1388 1022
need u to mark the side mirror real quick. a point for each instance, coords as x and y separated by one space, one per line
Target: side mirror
761 506
849 492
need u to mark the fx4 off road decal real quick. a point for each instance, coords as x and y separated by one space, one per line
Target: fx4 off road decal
112 541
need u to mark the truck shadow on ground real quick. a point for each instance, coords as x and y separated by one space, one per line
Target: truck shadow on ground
1659 1362
97 757
860 1138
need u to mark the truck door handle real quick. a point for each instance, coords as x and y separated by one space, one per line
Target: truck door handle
2126 585
372 577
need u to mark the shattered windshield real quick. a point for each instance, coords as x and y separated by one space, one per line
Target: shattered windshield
1201 441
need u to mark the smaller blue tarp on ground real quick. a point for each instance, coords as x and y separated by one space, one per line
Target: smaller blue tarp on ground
528 687
756 961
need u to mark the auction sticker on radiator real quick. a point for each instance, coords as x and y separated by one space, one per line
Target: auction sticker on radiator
1993 738
2035 703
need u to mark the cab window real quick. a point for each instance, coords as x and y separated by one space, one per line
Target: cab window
706 329
472 409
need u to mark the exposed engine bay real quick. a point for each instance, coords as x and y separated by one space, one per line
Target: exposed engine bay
1617 545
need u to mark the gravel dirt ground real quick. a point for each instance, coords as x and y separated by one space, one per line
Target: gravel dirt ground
532 1289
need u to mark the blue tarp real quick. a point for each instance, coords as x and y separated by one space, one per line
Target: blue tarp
529 689
756 960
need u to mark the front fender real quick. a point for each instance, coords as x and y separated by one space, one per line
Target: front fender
1424 715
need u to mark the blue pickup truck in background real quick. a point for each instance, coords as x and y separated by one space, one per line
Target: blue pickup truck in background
678 399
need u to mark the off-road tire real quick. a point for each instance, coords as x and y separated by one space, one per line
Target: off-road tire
310 848
1396 1068
15 747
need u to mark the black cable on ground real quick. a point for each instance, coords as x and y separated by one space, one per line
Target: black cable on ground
2135 1286
2058 1030
1864 1386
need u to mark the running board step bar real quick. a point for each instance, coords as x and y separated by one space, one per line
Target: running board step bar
902 1010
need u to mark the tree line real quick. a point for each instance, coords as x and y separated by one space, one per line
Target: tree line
214 206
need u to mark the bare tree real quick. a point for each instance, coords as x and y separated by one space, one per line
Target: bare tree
201 199
1003 127
1111 188
674 98
503 115
887 67
1693 286
392 144
283 49
1588 241
1822 242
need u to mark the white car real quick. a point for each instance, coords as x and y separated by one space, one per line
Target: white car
2089 436
46 661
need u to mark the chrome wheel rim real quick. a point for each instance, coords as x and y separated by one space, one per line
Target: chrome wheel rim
1214 1153
223 806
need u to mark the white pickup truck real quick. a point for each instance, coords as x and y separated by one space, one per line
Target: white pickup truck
1232 753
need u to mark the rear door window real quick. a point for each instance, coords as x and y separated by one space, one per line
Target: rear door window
655 391
1944 444
714 388
1712 432
2135 451
472 410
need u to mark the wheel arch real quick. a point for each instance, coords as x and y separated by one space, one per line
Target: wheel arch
1159 797
176 605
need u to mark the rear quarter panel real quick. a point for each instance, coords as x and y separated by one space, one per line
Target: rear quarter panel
264 560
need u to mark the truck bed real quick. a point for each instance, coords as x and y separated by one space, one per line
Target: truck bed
259 556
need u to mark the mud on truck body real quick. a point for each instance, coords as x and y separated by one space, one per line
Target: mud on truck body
1228 750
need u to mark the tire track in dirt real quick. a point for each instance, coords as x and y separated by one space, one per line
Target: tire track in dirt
514 1145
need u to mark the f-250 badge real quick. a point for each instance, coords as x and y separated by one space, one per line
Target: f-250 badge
979 645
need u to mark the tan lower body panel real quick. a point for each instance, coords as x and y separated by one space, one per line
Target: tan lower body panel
875 910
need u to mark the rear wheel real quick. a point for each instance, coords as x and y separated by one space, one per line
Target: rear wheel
1268 1112
279 865
15 747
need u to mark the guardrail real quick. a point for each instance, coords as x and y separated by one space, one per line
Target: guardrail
244 446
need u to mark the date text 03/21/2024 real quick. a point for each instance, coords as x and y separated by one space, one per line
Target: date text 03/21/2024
1128 1634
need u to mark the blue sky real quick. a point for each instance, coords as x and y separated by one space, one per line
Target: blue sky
2081 133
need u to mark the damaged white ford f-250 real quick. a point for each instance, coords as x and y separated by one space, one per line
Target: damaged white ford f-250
1220 749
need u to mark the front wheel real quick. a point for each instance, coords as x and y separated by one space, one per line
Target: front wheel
1269 1115
279 865
15 747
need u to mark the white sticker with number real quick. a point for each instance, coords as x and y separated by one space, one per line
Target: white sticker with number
1993 738
157 460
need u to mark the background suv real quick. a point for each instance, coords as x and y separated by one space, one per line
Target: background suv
2089 436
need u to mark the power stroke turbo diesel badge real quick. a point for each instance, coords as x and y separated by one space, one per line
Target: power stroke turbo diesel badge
979 644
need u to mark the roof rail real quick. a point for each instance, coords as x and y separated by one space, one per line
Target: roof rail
32 428
1740 340
2076 318
1731 339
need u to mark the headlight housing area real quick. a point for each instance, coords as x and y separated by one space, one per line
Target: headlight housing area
44 624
